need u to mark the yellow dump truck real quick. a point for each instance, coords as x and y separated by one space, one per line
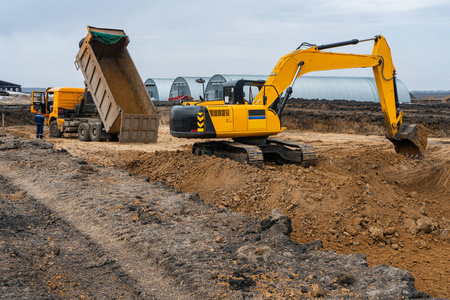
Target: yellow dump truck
115 103
70 110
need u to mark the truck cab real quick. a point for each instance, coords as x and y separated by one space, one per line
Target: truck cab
50 101
61 104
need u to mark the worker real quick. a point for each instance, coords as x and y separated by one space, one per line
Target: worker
39 124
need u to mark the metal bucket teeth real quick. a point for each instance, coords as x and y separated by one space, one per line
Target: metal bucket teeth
411 140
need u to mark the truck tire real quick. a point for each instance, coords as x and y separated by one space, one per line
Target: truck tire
83 132
54 129
95 133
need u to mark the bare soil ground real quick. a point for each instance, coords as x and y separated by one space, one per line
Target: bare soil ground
361 197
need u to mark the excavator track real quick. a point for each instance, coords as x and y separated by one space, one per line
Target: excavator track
243 153
255 155
308 153
280 151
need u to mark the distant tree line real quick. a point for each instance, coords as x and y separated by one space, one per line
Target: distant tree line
424 94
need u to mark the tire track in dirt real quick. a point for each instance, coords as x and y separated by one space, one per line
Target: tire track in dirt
43 257
146 277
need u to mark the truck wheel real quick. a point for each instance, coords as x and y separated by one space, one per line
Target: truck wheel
54 130
96 133
83 132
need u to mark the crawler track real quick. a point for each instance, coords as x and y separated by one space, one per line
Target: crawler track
280 151
307 152
243 153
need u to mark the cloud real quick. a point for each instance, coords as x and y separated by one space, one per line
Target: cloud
198 37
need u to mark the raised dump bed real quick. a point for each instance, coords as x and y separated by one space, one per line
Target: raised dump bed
117 89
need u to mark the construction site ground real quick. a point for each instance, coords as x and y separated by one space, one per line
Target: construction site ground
361 197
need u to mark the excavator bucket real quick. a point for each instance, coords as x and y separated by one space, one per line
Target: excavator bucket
411 140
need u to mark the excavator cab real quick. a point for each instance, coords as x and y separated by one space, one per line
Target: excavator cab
241 91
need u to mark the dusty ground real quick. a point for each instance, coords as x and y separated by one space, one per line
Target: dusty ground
360 198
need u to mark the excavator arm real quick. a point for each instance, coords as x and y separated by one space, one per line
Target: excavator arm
407 139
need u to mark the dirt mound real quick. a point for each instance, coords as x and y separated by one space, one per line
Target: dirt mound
86 231
17 115
356 199
16 109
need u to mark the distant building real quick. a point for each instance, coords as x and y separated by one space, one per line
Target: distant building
8 86
306 87
343 88
188 86
159 88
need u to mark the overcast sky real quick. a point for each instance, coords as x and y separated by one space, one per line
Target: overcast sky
171 38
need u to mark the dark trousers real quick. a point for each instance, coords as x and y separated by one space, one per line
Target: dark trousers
39 131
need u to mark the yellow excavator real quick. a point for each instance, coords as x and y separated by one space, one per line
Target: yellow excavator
250 123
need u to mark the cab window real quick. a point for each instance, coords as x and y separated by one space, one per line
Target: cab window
228 93
50 102
38 98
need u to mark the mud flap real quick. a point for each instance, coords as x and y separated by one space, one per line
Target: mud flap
411 140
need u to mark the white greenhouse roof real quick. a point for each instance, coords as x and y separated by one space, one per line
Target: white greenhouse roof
227 77
343 88
160 87
306 87
194 89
